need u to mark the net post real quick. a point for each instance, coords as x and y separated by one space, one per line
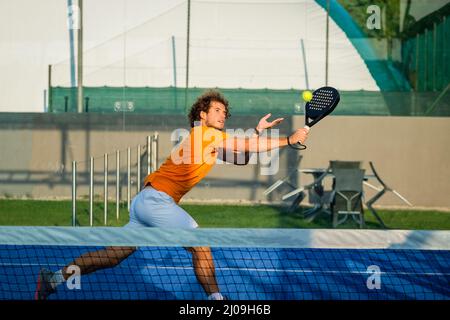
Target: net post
117 183
434 57
187 53
128 177
326 41
80 58
417 61
149 153
425 60
139 168
74 193
50 100
105 166
174 63
91 191
86 104
66 104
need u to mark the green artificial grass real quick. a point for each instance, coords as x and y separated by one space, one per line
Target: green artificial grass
59 213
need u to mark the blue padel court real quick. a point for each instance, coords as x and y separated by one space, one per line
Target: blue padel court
166 273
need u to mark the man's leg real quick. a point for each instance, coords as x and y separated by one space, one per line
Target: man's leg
101 259
204 269
157 209
88 263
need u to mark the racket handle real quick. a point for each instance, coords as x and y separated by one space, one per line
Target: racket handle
299 145
302 146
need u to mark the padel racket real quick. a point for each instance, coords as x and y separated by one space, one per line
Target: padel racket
323 102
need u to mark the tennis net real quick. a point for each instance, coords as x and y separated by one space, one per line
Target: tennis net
250 264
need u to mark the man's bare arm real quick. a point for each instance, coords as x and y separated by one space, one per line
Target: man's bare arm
262 144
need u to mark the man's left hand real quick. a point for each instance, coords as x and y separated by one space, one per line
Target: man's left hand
264 124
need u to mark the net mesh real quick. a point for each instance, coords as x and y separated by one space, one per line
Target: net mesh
249 264
172 100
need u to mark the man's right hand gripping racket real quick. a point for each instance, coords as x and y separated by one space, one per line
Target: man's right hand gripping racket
323 102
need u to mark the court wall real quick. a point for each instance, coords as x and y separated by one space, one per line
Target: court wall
410 153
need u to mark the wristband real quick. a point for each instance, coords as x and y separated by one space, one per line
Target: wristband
299 147
289 143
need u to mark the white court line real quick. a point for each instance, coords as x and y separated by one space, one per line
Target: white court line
309 271
251 269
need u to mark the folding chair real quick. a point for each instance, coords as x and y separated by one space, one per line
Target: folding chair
320 198
380 193
348 197
317 196
338 164
286 180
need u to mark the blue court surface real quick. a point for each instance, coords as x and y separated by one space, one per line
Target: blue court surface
166 273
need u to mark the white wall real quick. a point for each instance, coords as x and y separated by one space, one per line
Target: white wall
249 44
34 34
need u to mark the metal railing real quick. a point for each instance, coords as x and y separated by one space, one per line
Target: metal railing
152 165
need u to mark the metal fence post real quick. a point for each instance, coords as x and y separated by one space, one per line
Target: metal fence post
105 166
91 192
117 183
149 153
74 193
128 178
138 168
155 143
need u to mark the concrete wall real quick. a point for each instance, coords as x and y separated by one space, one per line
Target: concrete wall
411 154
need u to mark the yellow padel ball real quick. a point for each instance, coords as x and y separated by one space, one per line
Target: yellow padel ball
307 95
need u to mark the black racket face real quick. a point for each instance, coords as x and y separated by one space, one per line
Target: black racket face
323 102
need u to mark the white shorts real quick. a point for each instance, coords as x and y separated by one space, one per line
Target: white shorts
152 208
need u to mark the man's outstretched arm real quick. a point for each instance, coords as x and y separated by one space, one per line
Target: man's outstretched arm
243 157
263 144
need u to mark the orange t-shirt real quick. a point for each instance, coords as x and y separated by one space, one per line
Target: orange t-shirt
188 163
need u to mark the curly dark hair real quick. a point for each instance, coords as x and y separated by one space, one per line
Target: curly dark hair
203 103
